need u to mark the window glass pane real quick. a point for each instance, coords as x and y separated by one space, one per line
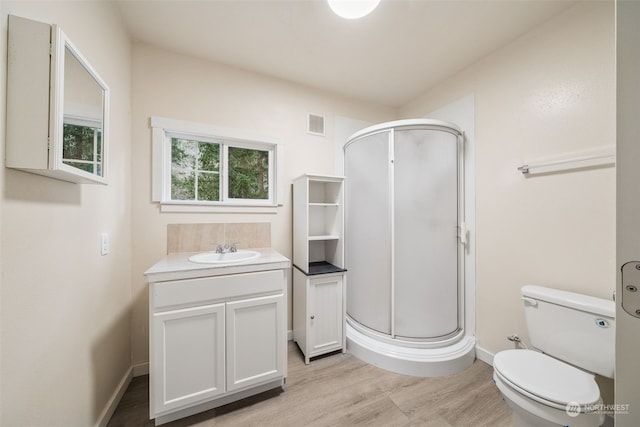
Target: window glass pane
208 156
248 173
208 186
183 185
191 159
183 154
183 180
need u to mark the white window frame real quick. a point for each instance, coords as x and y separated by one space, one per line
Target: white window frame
163 130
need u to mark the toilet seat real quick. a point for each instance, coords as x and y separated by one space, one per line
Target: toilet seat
545 379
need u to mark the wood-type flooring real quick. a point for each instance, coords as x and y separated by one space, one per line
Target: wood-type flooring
341 390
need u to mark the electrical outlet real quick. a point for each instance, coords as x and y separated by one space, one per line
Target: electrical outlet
104 243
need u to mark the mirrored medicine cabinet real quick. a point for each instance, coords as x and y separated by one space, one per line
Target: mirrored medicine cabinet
57 106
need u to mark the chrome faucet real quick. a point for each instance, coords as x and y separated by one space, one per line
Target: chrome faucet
226 248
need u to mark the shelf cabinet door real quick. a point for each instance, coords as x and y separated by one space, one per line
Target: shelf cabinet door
325 314
256 341
188 356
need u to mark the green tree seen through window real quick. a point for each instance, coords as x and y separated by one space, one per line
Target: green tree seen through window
195 170
196 166
248 173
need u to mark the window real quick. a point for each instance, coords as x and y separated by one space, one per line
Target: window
201 166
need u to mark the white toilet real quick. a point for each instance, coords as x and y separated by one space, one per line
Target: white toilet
576 334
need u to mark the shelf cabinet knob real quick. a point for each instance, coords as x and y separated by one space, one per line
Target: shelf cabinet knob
313 317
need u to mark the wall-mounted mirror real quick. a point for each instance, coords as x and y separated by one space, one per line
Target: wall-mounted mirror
57 104
83 119
81 111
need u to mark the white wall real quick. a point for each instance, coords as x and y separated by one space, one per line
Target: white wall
65 309
548 93
185 88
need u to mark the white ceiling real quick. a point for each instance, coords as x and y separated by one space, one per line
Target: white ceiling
389 57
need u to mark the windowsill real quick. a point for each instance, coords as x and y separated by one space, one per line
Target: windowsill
263 209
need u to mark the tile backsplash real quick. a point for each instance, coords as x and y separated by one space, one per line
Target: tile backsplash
205 236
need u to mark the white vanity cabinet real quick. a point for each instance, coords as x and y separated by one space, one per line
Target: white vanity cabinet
215 339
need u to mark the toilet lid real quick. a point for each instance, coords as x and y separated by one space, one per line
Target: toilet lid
547 378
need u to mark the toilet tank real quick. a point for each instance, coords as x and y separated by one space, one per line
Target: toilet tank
575 328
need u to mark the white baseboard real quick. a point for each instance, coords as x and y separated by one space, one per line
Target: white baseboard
289 335
106 415
141 369
484 355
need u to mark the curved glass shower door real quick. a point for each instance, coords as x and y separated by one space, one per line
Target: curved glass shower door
369 221
425 233
402 214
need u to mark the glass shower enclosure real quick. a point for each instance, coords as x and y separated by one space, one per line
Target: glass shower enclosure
404 210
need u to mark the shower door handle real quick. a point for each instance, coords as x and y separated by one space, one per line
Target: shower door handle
464 232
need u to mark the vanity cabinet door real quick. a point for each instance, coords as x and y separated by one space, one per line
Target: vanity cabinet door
188 356
256 341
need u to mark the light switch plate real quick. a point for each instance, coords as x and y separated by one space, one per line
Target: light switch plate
631 288
104 244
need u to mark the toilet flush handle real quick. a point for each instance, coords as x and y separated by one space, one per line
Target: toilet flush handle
530 301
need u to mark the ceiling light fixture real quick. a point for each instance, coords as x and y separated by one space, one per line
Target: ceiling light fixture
352 9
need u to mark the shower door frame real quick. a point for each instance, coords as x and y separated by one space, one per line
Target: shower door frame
390 128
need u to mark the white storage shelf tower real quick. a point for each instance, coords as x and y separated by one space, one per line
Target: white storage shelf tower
319 279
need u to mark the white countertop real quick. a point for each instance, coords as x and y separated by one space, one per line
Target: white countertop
176 266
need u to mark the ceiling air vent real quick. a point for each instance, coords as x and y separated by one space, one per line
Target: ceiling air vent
315 124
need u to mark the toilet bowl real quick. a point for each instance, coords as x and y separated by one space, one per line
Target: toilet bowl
545 392
555 386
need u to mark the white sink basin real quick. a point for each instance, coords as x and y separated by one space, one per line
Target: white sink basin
226 258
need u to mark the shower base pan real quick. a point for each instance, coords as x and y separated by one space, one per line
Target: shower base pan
407 359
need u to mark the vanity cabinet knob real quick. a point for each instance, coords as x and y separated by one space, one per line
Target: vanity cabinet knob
313 317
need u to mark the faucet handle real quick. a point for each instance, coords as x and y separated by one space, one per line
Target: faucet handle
226 247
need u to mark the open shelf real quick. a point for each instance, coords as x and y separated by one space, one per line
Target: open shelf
325 191
323 267
324 204
324 237
318 222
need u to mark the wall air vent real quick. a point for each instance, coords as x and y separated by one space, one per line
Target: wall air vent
315 124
